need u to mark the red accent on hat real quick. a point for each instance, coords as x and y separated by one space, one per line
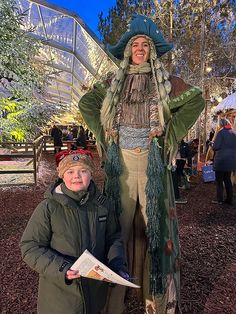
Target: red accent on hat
61 155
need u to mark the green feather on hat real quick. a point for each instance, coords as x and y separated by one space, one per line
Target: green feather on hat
141 25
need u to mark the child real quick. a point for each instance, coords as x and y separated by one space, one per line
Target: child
74 216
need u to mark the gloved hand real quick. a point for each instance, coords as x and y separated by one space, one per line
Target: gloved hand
124 275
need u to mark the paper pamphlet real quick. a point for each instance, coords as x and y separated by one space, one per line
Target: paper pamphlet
90 267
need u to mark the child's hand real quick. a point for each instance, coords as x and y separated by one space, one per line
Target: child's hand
72 274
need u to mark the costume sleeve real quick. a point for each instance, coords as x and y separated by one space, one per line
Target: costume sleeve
36 250
185 105
185 110
89 107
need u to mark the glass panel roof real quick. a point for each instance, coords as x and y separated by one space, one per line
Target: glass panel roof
72 49
85 47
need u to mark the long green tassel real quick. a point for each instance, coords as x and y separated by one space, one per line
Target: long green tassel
113 172
154 188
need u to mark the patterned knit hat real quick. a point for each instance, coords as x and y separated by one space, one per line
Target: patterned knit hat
141 25
70 158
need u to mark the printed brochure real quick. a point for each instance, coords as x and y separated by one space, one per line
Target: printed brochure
90 267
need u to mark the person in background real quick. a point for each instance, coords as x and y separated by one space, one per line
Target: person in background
73 217
211 134
183 161
193 144
183 158
224 162
81 139
74 131
69 136
210 138
178 199
56 133
138 119
65 131
87 134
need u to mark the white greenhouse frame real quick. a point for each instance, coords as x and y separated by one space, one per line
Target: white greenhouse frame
72 49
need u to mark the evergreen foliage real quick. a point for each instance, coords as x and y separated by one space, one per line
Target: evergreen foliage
18 51
203 33
23 76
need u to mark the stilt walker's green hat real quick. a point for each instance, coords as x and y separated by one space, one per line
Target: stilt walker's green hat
141 25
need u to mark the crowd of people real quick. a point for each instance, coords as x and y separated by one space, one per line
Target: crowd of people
222 144
185 168
139 117
78 135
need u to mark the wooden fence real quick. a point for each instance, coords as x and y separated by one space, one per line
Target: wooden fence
24 157
26 154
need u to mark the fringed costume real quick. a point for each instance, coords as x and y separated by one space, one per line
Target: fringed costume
138 121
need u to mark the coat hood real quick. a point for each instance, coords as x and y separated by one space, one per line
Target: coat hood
54 191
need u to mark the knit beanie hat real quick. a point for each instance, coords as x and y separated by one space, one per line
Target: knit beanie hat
70 158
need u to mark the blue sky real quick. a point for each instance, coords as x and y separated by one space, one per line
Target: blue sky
88 10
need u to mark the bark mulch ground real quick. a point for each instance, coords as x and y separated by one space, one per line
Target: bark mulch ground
207 237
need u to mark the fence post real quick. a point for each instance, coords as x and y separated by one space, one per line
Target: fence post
35 163
44 144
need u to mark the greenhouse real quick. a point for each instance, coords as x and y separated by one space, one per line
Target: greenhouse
72 49
76 59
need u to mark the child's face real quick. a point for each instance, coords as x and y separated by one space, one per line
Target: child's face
77 178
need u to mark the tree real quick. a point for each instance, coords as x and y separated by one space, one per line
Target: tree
203 32
181 21
18 51
22 74
115 24
206 32
23 120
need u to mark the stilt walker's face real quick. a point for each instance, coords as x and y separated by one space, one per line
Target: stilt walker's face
140 50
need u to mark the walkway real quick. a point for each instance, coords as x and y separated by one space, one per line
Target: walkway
207 234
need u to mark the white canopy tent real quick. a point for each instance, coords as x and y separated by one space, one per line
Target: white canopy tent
226 108
226 105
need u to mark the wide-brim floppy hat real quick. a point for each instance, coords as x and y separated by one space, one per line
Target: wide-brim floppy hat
141 25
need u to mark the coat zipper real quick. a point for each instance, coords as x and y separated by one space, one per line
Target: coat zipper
82 294
80 281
